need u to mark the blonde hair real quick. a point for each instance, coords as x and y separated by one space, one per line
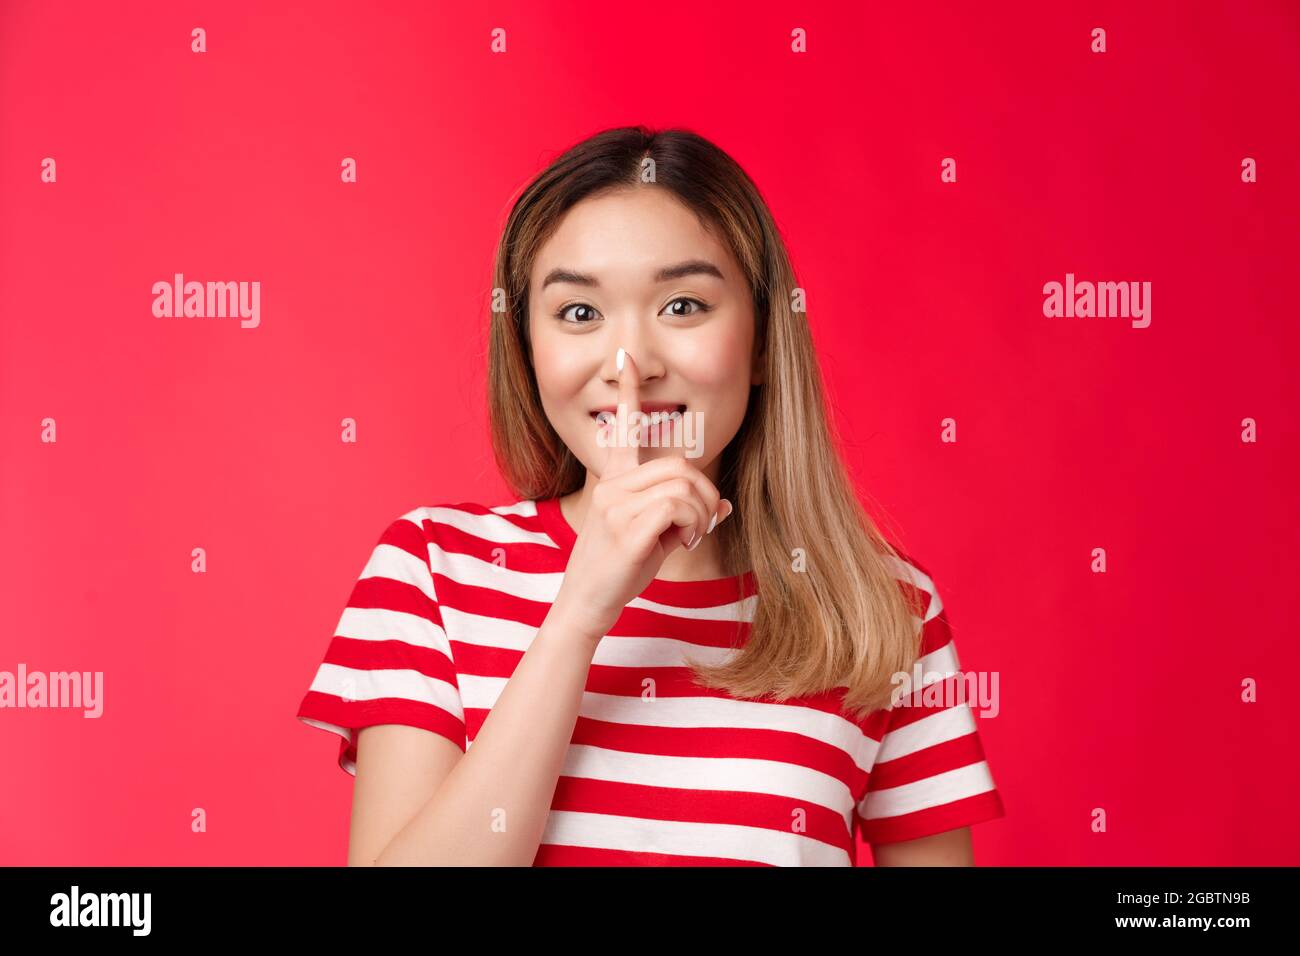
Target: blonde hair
841 620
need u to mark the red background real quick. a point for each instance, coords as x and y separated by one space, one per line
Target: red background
1118 690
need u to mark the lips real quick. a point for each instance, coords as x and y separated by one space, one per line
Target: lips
647 408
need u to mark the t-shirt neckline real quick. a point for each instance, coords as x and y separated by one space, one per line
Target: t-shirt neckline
705 593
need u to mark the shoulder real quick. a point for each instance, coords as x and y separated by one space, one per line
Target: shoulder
916 581
440 525
919 588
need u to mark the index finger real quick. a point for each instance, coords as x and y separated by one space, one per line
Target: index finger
626 455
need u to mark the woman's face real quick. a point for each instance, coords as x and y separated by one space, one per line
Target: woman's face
609 277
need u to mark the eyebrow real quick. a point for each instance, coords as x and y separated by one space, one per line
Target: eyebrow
691 267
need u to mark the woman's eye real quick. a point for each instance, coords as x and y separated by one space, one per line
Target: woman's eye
582 314
701 307
562 315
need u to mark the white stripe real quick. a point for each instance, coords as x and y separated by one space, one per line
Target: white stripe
398 564
915 576
647 652
381 624
742 610
682 838
488 527
542 587
938 665
469 571
726 774
933 791
479 630
481 693
939 727
524 508
352 684
941 660
482 630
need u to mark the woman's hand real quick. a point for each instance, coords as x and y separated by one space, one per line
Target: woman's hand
637 514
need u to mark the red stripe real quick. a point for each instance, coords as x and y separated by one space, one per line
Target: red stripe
388 594
715 742
939 758
550 854
390 655
948 816
518 556
489 602
409 537
383 710
632 622
914 707
722 807
935 634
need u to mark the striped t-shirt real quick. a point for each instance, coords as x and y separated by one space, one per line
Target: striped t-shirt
659 771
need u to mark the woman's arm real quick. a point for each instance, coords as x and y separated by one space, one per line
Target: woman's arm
951 848
419 801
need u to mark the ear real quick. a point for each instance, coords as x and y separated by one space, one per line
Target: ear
758 373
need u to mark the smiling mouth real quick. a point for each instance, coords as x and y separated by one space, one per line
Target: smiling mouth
661 412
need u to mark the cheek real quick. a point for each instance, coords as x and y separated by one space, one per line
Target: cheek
718 365
560 371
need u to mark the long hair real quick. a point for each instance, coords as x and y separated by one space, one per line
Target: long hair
830 612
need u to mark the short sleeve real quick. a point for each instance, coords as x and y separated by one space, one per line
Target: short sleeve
930 774
389 661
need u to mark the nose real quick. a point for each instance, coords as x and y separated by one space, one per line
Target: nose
639 342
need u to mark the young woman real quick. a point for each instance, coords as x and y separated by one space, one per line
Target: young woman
678 644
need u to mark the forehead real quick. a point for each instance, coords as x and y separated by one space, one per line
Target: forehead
626 235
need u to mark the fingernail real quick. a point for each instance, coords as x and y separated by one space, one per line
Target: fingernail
695 542
618 359
712 523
